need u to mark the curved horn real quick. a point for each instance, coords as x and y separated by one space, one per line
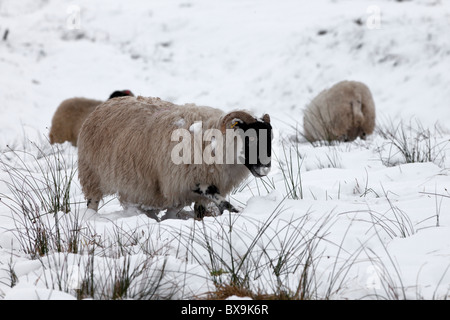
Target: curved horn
241 115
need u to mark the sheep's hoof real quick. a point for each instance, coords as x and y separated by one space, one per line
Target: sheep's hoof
225 205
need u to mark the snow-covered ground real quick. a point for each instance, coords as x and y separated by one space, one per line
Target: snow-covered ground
374 226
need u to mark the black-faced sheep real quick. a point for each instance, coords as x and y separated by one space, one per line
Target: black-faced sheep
128 146
343 112
70 115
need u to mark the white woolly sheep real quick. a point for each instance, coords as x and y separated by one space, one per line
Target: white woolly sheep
126 148
70 115
343 112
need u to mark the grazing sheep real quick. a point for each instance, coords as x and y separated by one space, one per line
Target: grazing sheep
70 115
126 146
343 112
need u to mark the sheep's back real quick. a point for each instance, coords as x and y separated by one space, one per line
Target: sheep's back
69 117
126 143
340 110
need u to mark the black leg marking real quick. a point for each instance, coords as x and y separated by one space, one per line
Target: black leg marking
206 190
199 210
225 205
212 190
212 193
197 189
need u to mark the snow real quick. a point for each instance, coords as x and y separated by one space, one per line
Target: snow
238 298
32 293
384 222
196 128
180 123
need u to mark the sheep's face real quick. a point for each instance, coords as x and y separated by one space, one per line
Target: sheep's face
257 145
354 133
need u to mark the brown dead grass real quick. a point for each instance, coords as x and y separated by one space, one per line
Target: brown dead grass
224 291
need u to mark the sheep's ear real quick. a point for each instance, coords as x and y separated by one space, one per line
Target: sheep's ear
266 118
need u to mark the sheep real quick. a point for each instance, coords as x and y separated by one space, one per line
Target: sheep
126 147
70 115
343 112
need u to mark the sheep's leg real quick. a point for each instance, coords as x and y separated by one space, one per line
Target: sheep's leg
199 210
93 204
90 183
211 193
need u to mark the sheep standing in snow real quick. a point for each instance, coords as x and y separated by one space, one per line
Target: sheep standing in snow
343 112
70 115
126 146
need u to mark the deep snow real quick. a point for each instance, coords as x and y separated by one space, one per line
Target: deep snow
266 56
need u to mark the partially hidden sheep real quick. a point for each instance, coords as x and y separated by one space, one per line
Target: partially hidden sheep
126 148
343 112
70 115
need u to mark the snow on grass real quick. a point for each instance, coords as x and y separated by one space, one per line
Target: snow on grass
366 219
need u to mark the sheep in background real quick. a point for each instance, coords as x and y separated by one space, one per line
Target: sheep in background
125 147
70 115
343 112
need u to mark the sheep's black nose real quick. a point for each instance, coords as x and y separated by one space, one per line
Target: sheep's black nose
261 171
